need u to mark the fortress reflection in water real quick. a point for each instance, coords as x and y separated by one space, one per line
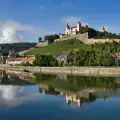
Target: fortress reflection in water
74 97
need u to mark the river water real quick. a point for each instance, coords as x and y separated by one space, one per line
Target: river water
28 96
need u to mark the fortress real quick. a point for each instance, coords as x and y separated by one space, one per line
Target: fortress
73 33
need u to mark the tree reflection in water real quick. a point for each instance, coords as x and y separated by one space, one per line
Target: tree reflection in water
77 90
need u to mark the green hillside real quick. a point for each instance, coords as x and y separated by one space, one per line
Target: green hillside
58 47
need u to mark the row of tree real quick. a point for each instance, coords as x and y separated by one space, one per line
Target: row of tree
96 55
92 33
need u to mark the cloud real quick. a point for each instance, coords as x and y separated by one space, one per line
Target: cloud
42 7
10 31
72 20
11 96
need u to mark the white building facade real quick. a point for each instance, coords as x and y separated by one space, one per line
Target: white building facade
72 30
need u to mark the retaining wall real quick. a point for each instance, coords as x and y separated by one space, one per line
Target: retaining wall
84 38
102 71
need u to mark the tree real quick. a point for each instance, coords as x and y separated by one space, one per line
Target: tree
39 39
51 38
45 60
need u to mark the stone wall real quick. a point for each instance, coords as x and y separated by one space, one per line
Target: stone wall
91 71
42 43
92 41
82 37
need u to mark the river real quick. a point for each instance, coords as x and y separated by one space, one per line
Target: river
39 96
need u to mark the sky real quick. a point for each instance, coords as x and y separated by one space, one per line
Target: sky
27 20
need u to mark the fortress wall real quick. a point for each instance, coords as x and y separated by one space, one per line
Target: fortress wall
42 44
92 41
83 37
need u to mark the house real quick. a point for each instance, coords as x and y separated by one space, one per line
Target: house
116 55
19 60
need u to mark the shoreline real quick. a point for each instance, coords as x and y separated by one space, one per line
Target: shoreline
85 71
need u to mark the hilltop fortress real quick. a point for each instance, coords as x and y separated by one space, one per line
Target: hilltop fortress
73 33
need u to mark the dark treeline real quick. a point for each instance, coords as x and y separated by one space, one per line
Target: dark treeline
17 46
51 38
92 33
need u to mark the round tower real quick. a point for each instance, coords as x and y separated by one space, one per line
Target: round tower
78 26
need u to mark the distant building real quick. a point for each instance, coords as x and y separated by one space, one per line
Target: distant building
19 60
42 43
72 30
62 57
116 55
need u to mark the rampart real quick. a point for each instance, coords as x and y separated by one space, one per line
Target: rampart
84 38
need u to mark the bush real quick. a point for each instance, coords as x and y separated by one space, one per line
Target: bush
45 60
24 64
60 63
51 38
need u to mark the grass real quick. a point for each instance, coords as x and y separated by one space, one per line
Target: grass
56 48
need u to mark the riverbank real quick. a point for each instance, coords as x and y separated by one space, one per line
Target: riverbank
92 71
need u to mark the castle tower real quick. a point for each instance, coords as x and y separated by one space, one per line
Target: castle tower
78 26
103 29
67 29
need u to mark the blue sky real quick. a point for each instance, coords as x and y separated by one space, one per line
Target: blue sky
26 20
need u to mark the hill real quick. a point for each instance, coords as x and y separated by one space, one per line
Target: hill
17 47
58 47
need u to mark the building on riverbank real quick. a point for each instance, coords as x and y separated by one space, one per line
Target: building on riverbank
19 60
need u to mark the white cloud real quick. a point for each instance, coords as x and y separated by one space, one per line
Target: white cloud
42 7
72 20
10 31
11 96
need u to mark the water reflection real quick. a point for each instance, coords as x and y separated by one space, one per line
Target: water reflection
76 90
11 96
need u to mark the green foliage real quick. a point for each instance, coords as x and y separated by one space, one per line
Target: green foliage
18 46
45 60
24 64
92 33
60 63
51 38
96 55
75 41
57 47
81 54
39 39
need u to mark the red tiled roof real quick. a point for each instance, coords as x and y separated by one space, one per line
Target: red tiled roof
116 55
22 59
